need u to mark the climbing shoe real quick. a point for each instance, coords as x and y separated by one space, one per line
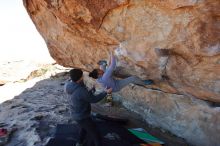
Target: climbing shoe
148 82
102 62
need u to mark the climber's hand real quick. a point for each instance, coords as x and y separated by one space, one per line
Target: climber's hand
109 90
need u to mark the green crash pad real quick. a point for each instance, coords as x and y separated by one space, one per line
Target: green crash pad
142 134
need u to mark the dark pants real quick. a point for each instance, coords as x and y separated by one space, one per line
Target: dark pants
88 130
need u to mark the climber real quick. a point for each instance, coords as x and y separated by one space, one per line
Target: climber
80 106
104 77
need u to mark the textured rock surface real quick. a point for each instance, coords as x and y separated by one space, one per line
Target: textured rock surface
189 118
18 73
79 33
12 71
34 112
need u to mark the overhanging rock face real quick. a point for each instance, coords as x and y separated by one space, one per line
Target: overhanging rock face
189 118
78 33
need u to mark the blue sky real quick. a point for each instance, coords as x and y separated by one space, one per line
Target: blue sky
19 38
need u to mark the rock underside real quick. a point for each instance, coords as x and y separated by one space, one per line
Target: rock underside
78 33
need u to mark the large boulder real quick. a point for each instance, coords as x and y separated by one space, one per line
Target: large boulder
189 118
78 33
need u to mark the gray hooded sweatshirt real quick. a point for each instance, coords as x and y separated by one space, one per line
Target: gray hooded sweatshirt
80 99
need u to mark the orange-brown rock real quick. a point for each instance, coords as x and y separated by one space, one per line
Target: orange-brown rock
78 33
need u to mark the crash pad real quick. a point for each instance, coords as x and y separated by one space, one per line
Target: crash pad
142 134
112 134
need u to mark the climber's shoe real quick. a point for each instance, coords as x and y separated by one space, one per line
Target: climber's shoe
148 82
102 62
